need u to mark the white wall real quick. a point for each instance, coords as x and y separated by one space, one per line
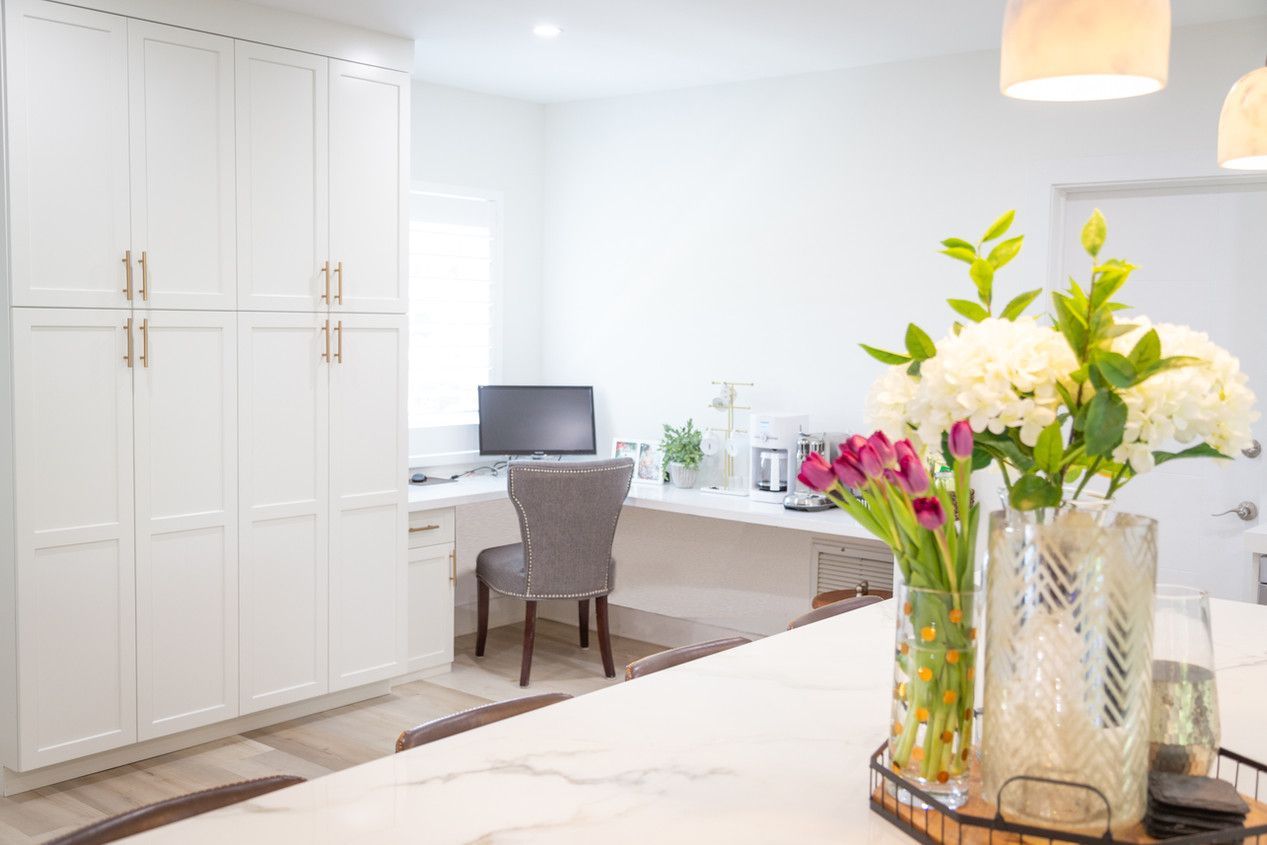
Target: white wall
757 231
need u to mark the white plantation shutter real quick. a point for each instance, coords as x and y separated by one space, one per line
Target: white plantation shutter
452 305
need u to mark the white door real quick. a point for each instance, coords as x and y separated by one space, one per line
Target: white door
185 400
369 186
1202 263
283 483
68 154
368 584
181 107
283 179
72 391
430 606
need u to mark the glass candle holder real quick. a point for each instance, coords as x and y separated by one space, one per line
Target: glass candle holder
1184 728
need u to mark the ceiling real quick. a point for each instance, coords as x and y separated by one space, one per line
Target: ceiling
614 47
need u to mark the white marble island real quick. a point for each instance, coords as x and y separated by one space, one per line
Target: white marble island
764 743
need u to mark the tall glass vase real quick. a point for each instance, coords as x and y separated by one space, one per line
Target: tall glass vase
1068 666
935 665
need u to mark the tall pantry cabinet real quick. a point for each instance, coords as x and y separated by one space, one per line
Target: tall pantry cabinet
206 365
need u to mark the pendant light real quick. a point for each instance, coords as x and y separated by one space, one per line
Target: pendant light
1243 124
1066 50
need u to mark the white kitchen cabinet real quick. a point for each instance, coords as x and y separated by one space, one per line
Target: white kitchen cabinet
68 154
76 646
432 576
369 187
182 154
283 179
284 484
368 508
185 411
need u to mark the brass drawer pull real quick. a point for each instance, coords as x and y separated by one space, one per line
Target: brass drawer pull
145 342
127 331
338 355
338 271
325 270
453 571
127 274
325 330
145 276
422 528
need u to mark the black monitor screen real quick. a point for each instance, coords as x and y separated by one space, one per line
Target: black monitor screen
522 420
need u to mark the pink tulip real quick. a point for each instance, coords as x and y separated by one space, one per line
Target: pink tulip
870 460
849 471
853 444
960 440
903 448
880 442
816 473
896 479
929 513
915 474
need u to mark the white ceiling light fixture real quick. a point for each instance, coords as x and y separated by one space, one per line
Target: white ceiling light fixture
1072 50
547 31
1243 124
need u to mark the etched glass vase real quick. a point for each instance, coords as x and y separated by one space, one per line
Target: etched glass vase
934 671
1068 667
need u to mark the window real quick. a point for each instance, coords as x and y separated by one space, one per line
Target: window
454 258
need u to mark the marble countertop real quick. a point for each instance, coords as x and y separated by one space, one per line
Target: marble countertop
765 743
661 497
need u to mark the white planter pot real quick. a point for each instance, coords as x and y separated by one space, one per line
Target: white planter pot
683 476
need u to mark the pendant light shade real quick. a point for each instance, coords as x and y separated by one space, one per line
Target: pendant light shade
1066 50
1243 124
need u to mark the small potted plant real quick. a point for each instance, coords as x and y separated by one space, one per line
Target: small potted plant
682 454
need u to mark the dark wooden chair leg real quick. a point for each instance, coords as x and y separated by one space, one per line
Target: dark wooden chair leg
604 636
530 635
583 621
481 635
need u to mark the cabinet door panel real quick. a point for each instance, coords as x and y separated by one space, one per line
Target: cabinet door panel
74 527
283 178
368 578
182 141
369 185
284 485
186 522
430 607
68 154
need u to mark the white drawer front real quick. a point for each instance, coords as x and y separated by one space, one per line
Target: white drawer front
429 527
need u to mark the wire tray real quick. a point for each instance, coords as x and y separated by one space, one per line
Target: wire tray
923 817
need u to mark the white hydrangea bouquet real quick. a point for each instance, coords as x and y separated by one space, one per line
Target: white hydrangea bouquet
1058 401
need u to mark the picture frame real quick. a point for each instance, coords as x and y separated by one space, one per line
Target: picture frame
648 463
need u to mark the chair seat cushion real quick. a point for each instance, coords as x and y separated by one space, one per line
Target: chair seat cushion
502 568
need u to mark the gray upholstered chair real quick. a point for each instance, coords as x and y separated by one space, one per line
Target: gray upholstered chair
567 519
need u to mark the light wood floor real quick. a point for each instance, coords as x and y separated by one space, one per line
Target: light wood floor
328 741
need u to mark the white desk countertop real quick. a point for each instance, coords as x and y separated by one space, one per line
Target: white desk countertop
1256 540
768 742
660 497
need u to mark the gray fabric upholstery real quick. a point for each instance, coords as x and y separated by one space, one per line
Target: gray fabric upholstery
567 518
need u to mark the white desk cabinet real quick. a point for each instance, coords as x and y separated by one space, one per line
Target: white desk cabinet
432 577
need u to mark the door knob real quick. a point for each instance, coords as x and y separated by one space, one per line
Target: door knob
1246 511
1253 450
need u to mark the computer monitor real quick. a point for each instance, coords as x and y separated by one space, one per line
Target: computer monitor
536 419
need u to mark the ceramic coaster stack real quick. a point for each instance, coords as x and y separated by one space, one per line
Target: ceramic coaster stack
1182 805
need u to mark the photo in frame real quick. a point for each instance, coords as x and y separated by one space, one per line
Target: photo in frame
648 464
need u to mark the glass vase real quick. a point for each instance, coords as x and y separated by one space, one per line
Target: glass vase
934 673
1184 737
1068 667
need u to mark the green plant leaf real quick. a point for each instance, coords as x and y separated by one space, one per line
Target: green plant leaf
913 369
1070 323
1104 424
961 253
1116 369
1109 280
1019 303
1201 450
1031 492
1049 451
983 277
918 343
1093 233
1174 362
1147 350
999 227
974 312
884 356
1005 251
959 243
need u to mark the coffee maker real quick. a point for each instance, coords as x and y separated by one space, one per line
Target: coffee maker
773 467
802 498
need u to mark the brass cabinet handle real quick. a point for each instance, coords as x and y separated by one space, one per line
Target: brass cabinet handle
338 355
145 342
145 276
325 271
423 528
325 330
453 568
127 331
338 271
127 274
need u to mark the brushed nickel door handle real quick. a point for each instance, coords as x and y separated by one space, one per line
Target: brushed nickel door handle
1245 511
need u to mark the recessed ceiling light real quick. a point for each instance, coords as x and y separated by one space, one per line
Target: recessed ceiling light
546 30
